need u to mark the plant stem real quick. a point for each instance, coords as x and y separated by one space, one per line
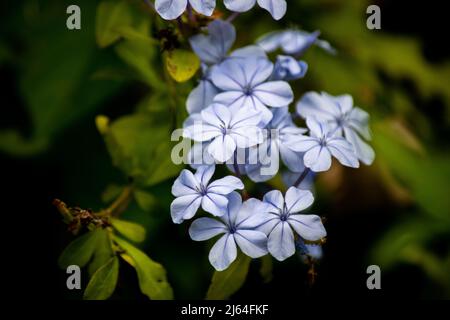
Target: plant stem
121 203
233 16
301 178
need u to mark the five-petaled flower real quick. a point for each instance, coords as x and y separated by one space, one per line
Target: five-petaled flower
321 144
340 114
283 218
238 228
172 9
277 8
226 129
194 190
244 83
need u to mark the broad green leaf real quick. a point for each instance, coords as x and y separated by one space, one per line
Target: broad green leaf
227 282
140 146
103 282
130 230
151 275
144 199
80 251
111 16
102 253
54 76
266 269
182 64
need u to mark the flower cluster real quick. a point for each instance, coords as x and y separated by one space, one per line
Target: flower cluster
239 116
172 9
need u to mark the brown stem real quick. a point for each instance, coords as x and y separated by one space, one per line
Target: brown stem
121 203
301 178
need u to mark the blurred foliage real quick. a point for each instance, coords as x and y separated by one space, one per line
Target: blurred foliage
67 77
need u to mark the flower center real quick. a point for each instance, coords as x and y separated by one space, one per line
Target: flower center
232 229
248 90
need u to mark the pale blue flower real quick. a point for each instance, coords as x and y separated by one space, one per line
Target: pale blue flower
238 228
213 47
287 68
172 9
293 42
340 114
279 134
194 190
308 251
226 130
277 8
244 83
203 95
283 219
321 144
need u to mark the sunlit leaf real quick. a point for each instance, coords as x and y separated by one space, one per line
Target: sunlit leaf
151 275
111 16
130 230
182 64
140 146
80 251
144 199
227 282
103 282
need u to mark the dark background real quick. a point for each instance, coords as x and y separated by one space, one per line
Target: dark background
33 235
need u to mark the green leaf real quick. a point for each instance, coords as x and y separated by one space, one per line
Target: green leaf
144 199
102 253
182 64
111 192
151 275
131 230
227 282
103 282
80 251
140 146
111 16
266 269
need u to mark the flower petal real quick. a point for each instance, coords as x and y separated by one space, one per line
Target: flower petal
307 226
204 174
222 148
281 243
274 93
252 214
239 5
170 9
185 207
298 200
216 204
275 199
225 185
234 205
206 228
201 96
312 104
217 115
205 7
318 159
185 184
363 151
223 253
277 8
342 150
252 243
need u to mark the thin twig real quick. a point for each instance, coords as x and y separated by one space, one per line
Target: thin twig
301 178
232 16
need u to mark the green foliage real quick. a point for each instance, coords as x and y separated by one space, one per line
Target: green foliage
225 283
102 252
144 199
111 16
139 146
103 282
80 251
266 269
151 275
130 230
